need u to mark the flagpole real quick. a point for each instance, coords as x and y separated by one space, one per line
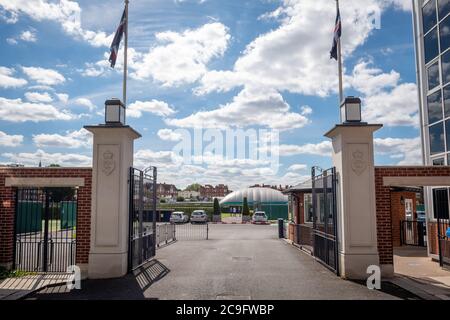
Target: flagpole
125 58
339 47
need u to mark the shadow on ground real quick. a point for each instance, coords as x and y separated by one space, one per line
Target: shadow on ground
130 287
394 290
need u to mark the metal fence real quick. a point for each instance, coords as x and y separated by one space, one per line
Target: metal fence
165 234
303 235
188 231
324 187
142 243
45 229
443 242
413 233
441 210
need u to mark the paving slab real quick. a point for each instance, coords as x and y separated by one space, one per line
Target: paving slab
20 287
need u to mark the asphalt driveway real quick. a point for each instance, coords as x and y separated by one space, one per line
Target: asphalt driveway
248 262
238 262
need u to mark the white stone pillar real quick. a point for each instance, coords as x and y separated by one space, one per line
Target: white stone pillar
112 159
353 157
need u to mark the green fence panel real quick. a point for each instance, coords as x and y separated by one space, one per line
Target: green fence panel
275 212
29 216
68 214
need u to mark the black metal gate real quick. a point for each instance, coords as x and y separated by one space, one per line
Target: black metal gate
142 244
413 233
325 241
45 229
441 211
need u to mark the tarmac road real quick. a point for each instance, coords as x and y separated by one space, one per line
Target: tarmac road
239 262
248 262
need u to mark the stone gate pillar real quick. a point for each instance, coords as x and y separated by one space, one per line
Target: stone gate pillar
353 157
112 158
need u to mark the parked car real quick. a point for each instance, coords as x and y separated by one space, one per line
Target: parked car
179 217
199 216
260 217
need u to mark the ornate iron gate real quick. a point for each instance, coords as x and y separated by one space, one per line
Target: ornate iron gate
45 229
142 245
325 239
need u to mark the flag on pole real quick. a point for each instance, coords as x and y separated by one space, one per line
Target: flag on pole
337 36
117 39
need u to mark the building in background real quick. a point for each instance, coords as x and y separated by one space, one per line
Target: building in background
271 201
166 190
187 194
279 188
431 19
209 191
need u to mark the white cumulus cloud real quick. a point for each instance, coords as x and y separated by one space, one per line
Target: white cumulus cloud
181 58
65 12
62 159
159 108
44 76
263 107
84 102
28 36
7 140
407 149
295 56
15 110
63 97
169 135
72 139
8 81
38 97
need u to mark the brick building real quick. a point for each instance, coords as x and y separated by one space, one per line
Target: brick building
300 229
394 187
165 190
12 179
209 191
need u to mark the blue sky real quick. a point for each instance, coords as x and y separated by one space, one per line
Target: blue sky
260 64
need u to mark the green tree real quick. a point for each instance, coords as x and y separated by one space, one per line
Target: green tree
194 187
54 165
245 208
180 199
216 207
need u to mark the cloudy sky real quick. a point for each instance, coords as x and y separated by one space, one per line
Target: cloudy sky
261 64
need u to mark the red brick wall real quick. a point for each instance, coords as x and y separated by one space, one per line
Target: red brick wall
433 244
432 237
383 198
7 207
398 213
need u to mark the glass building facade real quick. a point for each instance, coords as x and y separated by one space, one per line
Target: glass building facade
432 43
435 61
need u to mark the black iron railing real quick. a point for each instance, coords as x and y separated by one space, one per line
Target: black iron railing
142 243
413 233
325 242
45 229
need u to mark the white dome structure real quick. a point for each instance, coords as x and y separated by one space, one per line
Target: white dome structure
258 195
272 201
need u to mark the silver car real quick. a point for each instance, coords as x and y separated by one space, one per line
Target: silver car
199 216
259 217
179 217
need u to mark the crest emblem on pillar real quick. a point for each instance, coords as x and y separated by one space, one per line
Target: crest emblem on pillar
108 163
359 164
